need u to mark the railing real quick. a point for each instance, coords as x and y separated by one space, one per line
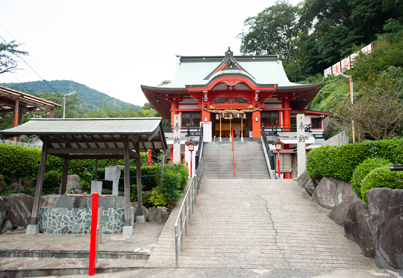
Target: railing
274 129
188 130
233 151
266 147
268 154
199 152
185 212
21 144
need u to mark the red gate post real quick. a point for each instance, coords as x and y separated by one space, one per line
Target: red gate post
149 157
93 241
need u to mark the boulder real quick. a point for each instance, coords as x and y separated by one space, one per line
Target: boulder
303 179
305 182
48 201
158 214
310 187
8 226
385 207
331 192
339 213
19 209
356 227
145 210
73 181
3 212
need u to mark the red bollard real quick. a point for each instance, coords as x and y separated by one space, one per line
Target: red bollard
93 242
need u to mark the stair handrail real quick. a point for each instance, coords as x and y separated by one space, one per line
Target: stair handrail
267 152
188 202
233 151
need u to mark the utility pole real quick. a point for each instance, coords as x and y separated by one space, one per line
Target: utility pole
66 95
351 99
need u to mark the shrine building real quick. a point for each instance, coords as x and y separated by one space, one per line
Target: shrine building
240 94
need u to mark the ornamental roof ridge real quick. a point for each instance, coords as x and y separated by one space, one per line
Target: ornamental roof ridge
228 63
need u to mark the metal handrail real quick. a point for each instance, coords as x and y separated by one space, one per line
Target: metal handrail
189 201
233 151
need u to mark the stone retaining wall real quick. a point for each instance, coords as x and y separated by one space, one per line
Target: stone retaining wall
78 220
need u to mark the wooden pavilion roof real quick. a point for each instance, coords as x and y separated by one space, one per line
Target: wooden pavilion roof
27 102
94 136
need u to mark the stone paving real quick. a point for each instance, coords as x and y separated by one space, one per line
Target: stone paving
41 253
259 224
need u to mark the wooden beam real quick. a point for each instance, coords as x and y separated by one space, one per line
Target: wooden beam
39 183
64 176
83 150
138 178
151 136
94 156
127 181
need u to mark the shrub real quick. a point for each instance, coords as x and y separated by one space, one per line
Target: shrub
51 182
363 170
337 162
381 177
391 150
1 181
18 162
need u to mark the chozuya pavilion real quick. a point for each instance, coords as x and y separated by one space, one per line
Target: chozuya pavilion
239 93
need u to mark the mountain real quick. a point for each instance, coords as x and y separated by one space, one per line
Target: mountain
90 98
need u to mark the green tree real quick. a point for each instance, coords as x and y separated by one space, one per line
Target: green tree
9 54
272 31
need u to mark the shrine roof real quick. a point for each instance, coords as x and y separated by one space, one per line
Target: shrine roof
200 70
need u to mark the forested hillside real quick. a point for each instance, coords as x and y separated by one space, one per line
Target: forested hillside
317 33
89 98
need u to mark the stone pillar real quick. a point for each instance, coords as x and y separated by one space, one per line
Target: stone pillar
177 139
301 152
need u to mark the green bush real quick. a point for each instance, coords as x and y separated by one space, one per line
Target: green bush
391 150
51 182
337 162
18 162
1 181
363 170
381 177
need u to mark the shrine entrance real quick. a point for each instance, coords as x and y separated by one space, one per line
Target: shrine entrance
223 123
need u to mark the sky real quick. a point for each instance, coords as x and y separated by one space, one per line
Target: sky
116 46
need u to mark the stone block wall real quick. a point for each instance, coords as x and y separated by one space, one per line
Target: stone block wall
78 220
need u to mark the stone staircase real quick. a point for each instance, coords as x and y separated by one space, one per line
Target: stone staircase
249 158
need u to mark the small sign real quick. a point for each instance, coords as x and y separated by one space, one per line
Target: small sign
237 131
207 131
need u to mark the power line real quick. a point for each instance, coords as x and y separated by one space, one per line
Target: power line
34 71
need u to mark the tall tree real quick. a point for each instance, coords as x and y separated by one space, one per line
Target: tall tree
9 54
272 31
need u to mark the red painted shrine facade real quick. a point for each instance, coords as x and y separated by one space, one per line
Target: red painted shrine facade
232 84
231 91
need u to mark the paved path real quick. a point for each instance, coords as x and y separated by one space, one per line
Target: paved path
260 224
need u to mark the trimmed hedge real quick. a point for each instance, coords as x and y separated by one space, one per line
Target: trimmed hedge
337 162
391 150
381 177
363 170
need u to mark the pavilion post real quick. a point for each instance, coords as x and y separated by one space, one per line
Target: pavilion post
127 228
64 176
140 214
16 115
33 227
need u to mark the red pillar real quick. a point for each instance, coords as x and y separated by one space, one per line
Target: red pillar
256 124
286 115
205 115
52 113
172 155
174 107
